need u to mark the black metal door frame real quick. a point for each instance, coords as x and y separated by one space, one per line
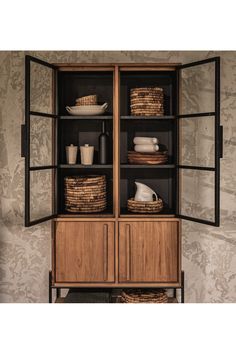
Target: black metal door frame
218 141
26 142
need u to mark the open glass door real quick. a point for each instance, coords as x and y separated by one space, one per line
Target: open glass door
39 141
199 142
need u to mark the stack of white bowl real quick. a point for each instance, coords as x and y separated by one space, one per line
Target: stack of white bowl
145 144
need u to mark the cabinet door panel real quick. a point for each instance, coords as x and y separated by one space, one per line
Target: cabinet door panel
148 251
84 252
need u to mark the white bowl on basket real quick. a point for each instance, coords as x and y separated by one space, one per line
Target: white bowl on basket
92 110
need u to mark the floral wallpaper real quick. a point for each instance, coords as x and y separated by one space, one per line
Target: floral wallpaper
209 253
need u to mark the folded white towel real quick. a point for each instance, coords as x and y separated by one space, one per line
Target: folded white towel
146 148
140 140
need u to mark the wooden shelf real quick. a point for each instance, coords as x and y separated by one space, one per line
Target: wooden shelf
147 166
85 166
103 214
86 117
145 118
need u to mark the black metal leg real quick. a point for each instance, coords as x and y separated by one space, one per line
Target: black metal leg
182 287
174 293
50 287
58 292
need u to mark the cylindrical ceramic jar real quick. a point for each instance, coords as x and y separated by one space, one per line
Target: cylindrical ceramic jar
71 154
86 153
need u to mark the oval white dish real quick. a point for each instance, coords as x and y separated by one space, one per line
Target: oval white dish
93 110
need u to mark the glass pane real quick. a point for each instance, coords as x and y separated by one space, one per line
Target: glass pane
41 193
197 141
198 89
41 88
41 141
197 194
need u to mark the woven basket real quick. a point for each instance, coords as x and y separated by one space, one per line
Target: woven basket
86 100
147 101
85 194
145 207
135 296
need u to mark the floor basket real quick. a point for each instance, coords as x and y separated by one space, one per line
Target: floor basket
135 296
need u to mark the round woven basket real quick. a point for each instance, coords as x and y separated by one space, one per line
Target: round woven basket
85 194
86 100
135 296
147 101
145 207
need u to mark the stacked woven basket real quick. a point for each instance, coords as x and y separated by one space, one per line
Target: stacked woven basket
85 194
144 296
147 101
86 100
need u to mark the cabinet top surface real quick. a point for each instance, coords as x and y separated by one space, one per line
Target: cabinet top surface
121 66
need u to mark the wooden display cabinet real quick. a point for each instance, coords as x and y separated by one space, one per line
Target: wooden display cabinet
116 248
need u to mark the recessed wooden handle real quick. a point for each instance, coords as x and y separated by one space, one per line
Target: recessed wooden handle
105 251
128 245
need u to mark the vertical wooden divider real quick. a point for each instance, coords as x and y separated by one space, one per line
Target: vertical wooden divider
116 163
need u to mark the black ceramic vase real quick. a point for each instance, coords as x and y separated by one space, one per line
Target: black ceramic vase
103 145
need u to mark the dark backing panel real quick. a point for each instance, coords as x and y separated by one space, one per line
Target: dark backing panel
72 85
160 180
163 130
147 79
80 132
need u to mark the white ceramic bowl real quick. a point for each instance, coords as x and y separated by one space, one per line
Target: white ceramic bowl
92 110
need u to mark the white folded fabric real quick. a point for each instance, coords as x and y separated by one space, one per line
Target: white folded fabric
140 140
146 148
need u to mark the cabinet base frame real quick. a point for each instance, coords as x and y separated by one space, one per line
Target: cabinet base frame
59 288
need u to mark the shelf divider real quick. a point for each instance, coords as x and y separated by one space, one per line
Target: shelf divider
145 118
85 166
86 117
147 166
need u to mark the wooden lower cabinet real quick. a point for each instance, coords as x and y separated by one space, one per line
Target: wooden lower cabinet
84 252
149 252
142 253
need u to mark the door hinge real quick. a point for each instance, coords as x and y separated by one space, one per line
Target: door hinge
23 140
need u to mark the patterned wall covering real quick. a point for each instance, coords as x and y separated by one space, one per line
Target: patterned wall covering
209 254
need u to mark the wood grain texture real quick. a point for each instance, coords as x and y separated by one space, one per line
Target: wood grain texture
151 253
84 252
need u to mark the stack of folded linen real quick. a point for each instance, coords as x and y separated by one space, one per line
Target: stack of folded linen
145 144
147 152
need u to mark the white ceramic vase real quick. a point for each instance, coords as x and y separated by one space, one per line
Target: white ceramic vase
144 193
86 154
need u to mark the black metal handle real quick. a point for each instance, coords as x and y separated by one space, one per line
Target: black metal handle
221 141
23 140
